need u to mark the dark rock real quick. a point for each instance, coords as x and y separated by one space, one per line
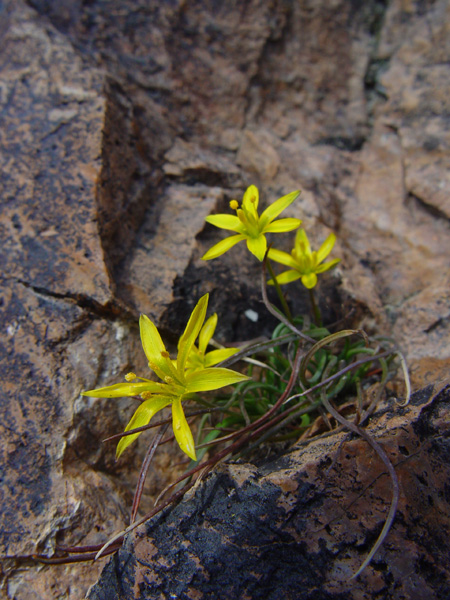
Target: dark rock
299 527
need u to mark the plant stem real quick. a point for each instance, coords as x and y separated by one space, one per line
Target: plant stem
315 307
284 304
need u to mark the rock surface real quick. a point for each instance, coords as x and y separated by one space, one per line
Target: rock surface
300 527
123 124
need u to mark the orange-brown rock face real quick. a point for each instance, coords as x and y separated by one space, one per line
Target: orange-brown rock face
122 125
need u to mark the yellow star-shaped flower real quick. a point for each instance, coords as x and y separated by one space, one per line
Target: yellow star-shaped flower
250 226
180 380
305 264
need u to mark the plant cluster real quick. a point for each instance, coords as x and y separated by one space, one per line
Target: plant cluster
282 385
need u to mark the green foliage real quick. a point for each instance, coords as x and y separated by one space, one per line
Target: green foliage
269 370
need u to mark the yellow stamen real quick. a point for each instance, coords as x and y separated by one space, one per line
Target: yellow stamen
130 376
165 354
146 395
168 379
234 204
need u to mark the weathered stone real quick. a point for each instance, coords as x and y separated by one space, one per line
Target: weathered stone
164 246
50 139
54 485
300 527
123 125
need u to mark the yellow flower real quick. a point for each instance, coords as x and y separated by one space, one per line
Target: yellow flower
179 381
250 226
199 358
304 263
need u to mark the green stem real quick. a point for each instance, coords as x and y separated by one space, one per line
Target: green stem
316 311
284 304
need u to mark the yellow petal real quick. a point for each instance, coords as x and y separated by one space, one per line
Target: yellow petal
216 356
225 222
142 417
257 246
181 429
251 199
207 332
223 246
288 277
119 390
328 265
154 348
277 207
282 225
326 248
191 332
302 243
309 280
212 379
282 257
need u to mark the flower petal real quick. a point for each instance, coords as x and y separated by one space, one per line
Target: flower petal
216 356
257 246
142 417
328 265
212 379
277 207
326 248
287 277
309 280
223 246
225 222
282 225
302 243
282 257
119 390
154 349
191 332
251 199
181 429
207 332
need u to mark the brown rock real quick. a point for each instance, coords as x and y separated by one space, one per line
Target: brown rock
52 111
123 125
301 526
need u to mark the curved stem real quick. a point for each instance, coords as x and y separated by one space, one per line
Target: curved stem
144 470
395 484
